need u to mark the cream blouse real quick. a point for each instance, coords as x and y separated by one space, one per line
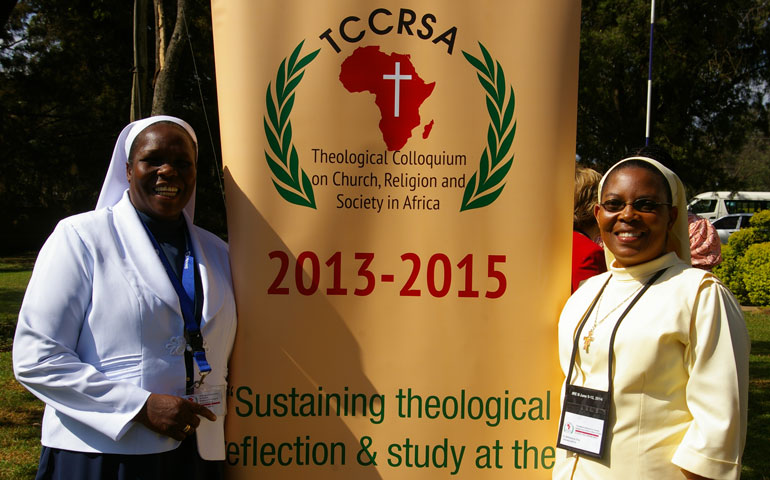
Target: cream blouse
680 378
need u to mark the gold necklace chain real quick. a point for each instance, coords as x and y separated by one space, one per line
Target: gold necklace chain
590 337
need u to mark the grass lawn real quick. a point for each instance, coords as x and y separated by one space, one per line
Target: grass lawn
756 458
20 416
20 412
14 275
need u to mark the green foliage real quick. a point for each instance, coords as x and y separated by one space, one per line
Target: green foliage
750 165
63 101
728 271
65 90
756 273
65 84
761 220
745 267
742 239
709 72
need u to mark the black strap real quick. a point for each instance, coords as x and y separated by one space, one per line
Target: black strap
575 345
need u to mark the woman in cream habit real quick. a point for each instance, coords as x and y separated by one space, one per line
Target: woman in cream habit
128 321
655 352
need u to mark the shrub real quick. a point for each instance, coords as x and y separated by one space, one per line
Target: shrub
755 265
745 267
760 223
761 219
740 241
729 271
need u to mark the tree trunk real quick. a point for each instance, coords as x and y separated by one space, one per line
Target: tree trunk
161 37
139 85
169 58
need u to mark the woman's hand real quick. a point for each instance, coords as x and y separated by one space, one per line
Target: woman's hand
172 416
692 476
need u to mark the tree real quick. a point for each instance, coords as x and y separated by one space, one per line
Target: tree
139 77
66 69
169 49
60 100
169 54
65 86
710 73
750 166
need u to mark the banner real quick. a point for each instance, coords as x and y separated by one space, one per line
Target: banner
399 193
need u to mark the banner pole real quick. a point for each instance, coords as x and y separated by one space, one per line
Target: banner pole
649 75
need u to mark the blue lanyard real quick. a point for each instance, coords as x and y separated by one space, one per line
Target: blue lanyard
186 293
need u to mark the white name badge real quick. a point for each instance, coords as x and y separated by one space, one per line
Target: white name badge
211 397
584 421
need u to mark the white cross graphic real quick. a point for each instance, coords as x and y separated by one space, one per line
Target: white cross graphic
397 77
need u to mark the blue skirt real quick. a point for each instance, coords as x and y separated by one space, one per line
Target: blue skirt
183 462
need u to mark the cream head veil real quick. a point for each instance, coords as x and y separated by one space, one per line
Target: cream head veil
115 183
679 236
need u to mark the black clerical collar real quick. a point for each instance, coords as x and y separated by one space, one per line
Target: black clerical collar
164 230
170 236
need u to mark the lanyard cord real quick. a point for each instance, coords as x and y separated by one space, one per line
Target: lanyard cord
185 290
584 320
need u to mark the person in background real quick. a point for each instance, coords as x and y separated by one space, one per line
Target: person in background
654 352
587 255
128 322
705 245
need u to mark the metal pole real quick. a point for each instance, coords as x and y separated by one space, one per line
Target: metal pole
649 76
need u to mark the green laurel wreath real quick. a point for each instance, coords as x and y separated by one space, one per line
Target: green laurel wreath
291 182
487 183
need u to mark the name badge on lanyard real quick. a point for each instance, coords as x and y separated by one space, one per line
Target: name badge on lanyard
584 420
185 290
211 397
585 412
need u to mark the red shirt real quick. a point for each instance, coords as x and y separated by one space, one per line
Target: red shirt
587 259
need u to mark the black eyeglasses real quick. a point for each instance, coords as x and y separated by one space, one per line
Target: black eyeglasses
643 205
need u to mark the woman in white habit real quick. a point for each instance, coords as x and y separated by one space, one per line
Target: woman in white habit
128 322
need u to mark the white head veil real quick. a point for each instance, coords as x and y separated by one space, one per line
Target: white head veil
679 236
116 183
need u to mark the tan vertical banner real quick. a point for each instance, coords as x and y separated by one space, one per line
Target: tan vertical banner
399 192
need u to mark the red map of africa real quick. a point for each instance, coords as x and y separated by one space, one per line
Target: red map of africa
398 90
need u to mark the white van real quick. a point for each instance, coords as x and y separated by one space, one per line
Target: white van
713 205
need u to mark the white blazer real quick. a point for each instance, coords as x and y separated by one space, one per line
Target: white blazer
100 328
